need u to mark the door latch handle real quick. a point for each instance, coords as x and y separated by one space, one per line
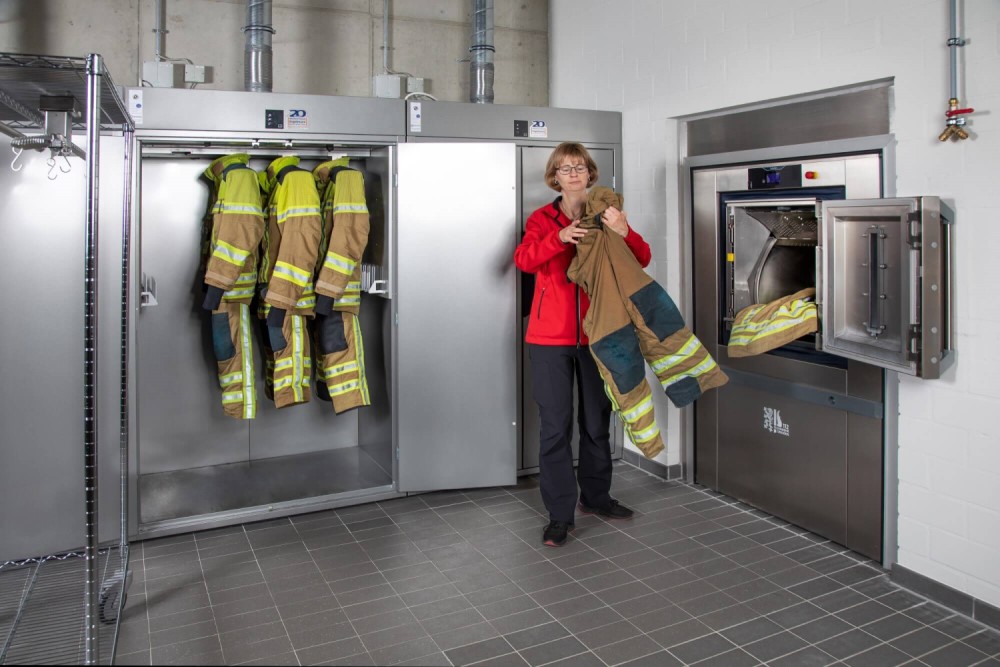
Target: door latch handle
147 291
378 287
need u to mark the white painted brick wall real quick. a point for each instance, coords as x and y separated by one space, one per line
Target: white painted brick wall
670 58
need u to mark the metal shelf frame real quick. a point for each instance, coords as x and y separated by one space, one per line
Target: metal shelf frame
46 631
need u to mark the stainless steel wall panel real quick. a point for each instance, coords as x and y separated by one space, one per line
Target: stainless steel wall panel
181 424
247 113
456 120
864 485
41 358
455 356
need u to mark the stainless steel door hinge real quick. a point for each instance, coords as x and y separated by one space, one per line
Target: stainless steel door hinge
914 338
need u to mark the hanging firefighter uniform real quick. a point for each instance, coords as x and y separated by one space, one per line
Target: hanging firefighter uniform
230 276
762 327
632 317
290 247
341 359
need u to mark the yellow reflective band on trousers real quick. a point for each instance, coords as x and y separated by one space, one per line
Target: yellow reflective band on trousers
708 364
236 373
290 367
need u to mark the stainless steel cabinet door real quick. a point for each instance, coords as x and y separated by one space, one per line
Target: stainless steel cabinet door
885 277
456 328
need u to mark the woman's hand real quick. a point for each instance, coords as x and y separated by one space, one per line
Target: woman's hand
615 220
572 233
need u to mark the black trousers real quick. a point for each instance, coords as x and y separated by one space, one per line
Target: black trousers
554 370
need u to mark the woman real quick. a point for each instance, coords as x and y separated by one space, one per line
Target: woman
557 348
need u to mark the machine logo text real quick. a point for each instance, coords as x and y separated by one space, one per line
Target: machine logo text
773 422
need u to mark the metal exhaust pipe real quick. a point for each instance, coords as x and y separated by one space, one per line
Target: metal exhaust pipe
482 50
257 66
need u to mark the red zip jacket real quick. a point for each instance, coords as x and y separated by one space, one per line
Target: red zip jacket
558 306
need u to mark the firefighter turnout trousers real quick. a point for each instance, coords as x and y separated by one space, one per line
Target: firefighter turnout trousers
287 298
632 318
230 275
341 359
287 359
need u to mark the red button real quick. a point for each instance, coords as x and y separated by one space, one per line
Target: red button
811 175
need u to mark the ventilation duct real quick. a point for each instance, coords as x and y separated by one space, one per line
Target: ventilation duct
257 71
482 50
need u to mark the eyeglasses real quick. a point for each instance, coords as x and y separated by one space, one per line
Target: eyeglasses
567 169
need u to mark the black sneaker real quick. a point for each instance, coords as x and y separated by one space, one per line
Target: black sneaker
613 510
555 533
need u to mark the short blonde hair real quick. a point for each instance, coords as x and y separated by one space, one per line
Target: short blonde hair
569 149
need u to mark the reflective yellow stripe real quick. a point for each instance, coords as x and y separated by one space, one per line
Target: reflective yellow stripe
700 369
247 278
644 435
230 378
343 388
359 354
229 253
686 351
644 407
297 212
350 207
238 293
232 208
340 370
232 397
339 263
292 274
249 390
298 354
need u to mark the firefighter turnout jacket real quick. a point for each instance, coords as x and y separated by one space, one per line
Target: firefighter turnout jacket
632 318
285 279
762 327
341 363
558 306
230 275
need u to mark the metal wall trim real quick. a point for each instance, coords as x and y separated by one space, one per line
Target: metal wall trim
259 512
812 150
841 115
801 392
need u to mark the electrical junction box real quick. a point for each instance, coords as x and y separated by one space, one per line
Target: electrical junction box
388 85
415 84
194 74
163 74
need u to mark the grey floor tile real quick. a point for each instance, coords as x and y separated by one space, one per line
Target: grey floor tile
479 651
734 658
955 654
847 644
627 650
470 634
751 631
539 634
774 646
809 656
880 656
701 648
456 578
679 633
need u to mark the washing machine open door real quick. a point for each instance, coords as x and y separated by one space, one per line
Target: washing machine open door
883 274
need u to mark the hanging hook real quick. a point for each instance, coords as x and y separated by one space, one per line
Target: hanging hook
52 168
14 164
69 165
